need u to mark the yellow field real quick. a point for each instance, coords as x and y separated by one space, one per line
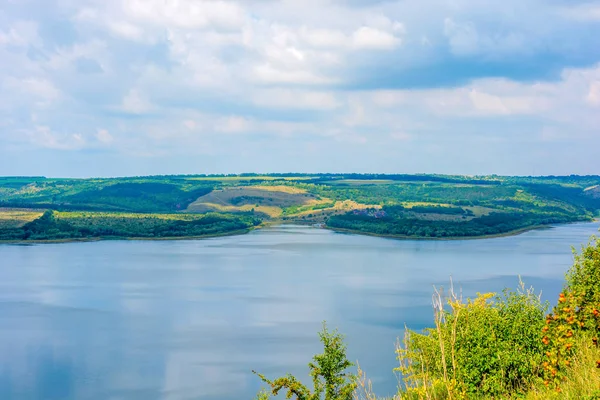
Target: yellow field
271 211
16 218
270 200
281 188
249 178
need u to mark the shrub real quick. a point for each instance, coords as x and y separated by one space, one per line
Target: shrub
576 317
488 346
327 371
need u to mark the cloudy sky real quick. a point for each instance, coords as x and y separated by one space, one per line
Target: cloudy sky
137 87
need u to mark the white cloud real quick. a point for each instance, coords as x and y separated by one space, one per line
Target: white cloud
190 124
268 73
401 136
43 136
373 39
296 99
487 103
186 14
233 124
593 96
104 137
135 103
20 34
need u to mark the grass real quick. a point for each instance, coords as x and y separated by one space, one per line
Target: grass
268 200
582 379
16 218
281 188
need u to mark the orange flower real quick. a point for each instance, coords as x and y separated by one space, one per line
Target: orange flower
545 340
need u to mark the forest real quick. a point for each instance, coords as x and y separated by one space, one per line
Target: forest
398 205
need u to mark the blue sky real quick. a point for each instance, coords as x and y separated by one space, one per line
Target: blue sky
138 87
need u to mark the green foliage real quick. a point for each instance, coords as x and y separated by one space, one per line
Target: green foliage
492 224
78 225
576 317
328 372
488 346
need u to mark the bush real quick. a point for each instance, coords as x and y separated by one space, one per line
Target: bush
488 346
327 371
576 317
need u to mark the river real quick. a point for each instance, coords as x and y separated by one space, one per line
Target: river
191 319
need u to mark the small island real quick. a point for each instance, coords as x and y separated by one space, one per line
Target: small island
40 209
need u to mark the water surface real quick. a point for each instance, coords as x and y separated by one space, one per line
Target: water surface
191 319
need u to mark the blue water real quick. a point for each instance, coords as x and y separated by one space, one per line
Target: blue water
191 319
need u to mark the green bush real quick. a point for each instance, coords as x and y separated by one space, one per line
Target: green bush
576 317
488 346
328 371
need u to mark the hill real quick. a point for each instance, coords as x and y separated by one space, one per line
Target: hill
413 206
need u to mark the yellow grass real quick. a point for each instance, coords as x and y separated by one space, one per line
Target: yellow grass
15 218
270 200
280 188
583 378
271 211
248 178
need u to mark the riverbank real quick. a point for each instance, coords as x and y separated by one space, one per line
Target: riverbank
112 238
497 235
300 223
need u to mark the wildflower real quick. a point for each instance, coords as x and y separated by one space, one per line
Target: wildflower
545 340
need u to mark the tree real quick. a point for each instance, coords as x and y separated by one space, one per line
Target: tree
327 371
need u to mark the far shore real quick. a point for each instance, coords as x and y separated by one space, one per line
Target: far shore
300 223
110 238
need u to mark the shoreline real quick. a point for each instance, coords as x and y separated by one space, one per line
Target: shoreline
111 238
447 238
278 223
514 232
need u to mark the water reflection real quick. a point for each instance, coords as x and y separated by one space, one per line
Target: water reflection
191 319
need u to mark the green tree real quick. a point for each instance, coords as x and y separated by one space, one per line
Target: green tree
328 372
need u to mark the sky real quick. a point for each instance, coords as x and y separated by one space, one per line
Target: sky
141 87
